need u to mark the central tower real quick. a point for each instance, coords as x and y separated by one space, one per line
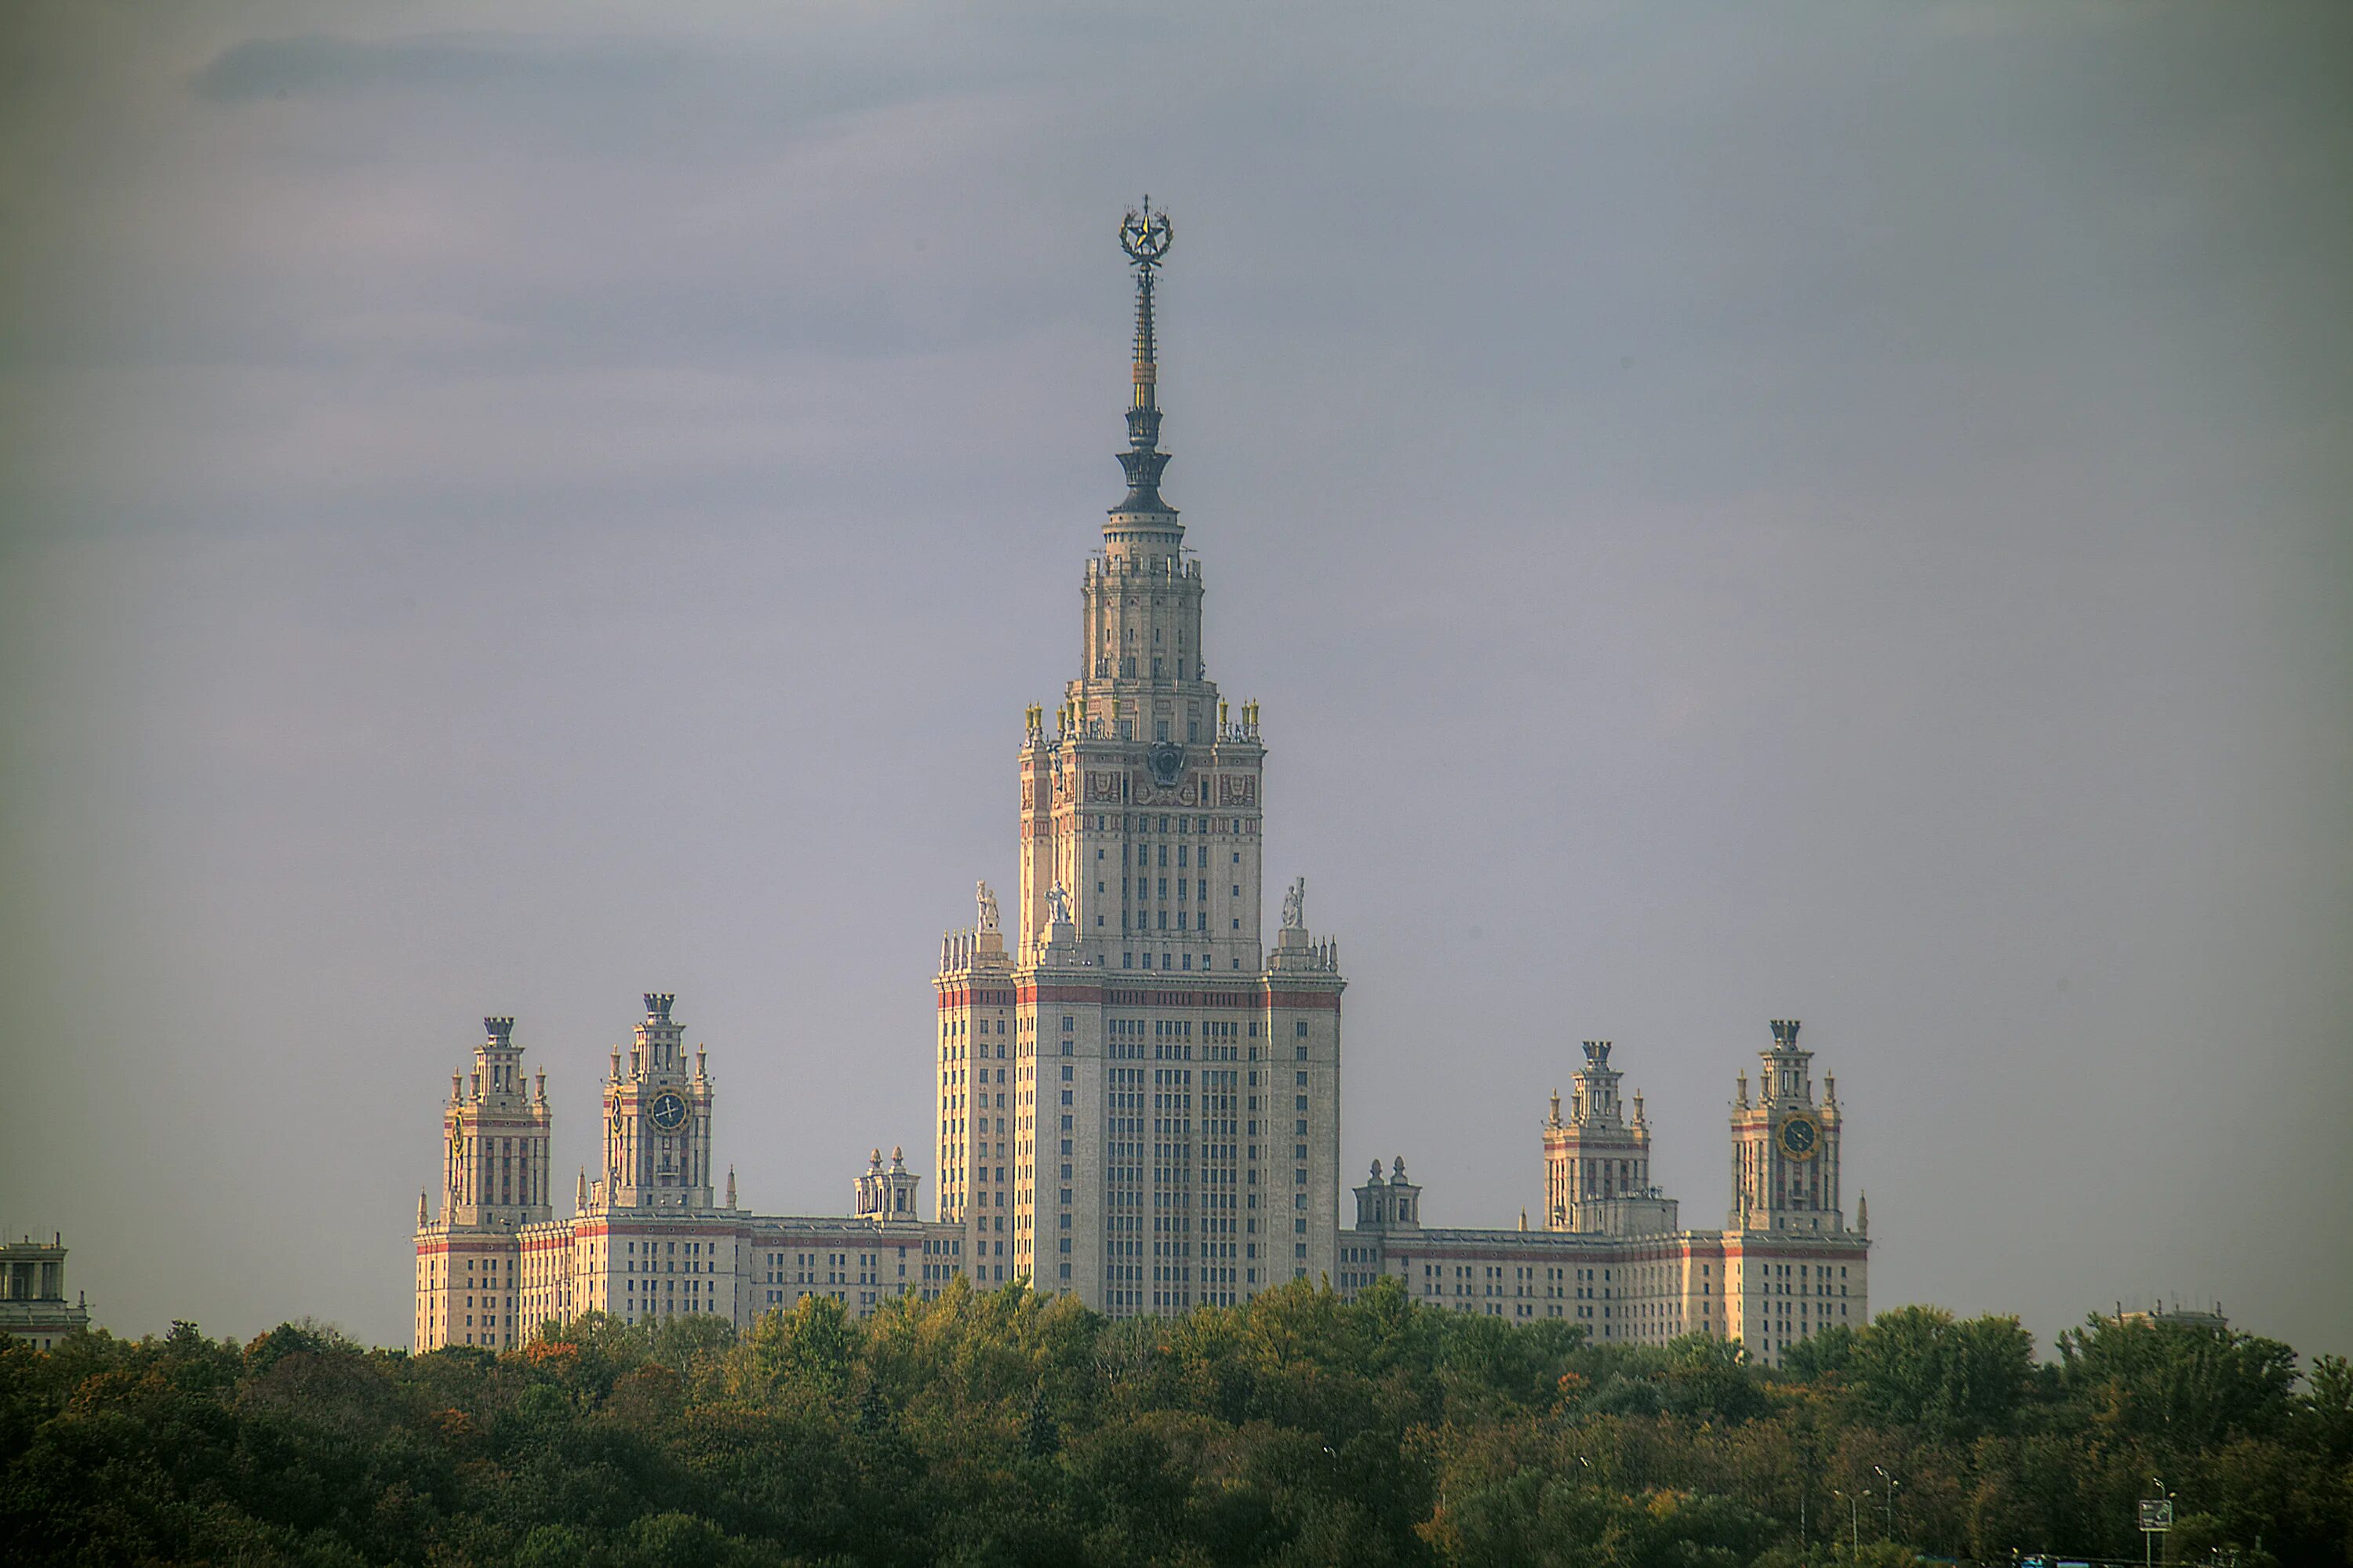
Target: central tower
1161 1127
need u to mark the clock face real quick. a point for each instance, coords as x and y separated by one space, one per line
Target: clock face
668 1112
1801 1137
1167 759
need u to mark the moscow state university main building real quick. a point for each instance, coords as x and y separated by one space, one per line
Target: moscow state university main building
1138 1092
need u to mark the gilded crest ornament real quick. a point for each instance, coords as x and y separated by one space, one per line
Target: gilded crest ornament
1144 234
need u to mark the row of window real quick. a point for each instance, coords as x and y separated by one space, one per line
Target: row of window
1143 822
1182 961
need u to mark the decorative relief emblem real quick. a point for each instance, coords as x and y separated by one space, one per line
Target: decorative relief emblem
1237 789
1103 786
1165 760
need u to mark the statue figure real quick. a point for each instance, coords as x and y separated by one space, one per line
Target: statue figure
1294 906
988 921
1058 904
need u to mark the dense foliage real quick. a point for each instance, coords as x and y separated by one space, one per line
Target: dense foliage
1004 1429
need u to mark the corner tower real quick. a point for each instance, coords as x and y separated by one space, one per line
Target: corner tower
1598 1160
1169 1110
494 1182
494 1140
656 1121
1784 1148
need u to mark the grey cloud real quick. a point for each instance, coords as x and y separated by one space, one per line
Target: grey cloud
326 65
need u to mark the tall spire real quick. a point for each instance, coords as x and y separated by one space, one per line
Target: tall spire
1145 236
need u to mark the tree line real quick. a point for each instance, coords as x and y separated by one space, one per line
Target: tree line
1004 1427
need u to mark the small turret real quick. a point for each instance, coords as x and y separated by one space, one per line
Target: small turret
731 1186
886 1197
420 1208
1389 1204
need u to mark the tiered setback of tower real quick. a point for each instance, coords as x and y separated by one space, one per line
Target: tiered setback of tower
1147 1142
1139 1100
1139 1104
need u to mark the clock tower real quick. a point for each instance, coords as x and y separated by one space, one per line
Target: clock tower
1785 1147
656 1121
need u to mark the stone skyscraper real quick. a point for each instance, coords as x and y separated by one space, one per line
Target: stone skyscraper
1139 1093
1139 1100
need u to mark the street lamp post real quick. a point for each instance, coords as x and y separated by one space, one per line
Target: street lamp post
2148 1536
1890 1495
1854 1521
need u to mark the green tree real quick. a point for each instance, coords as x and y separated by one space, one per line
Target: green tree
2182 1386
1916 1366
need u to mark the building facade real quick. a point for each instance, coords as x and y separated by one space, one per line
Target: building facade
650 1238
1138 1092
1612 1257
34 1306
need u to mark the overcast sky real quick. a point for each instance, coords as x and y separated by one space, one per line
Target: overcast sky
1731 512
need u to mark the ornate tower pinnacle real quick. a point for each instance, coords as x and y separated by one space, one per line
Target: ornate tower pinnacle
1145 236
